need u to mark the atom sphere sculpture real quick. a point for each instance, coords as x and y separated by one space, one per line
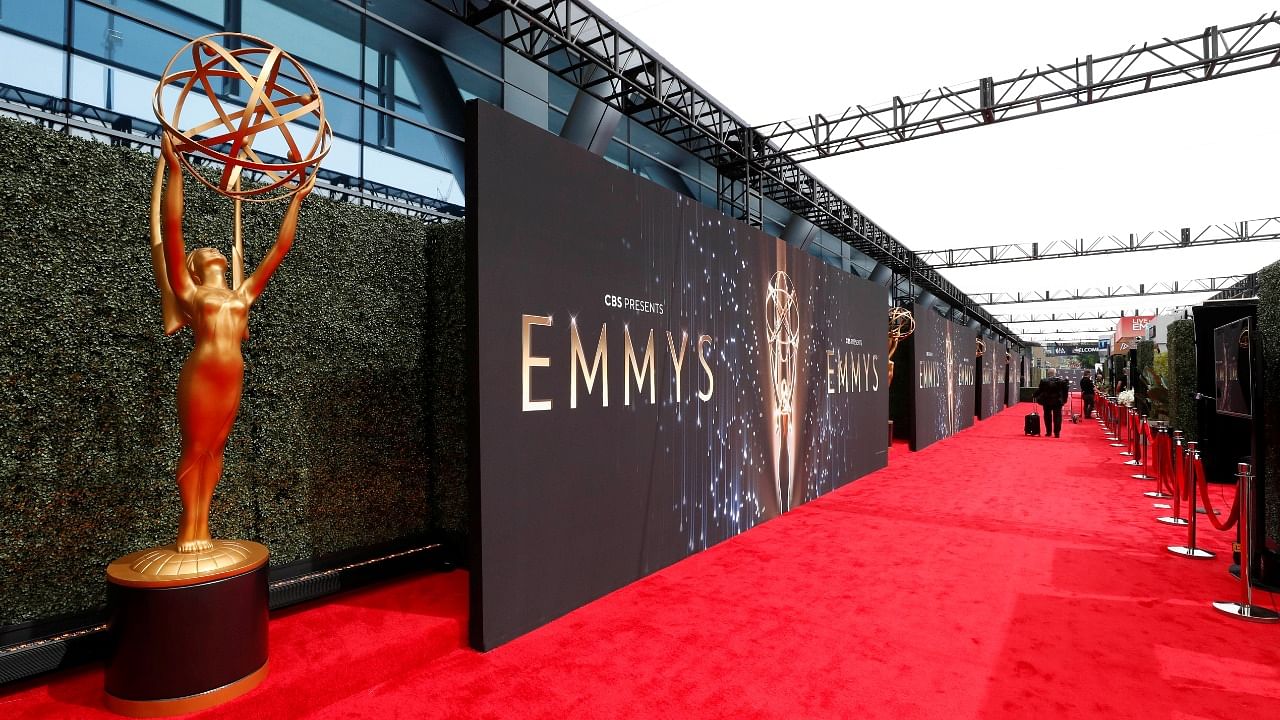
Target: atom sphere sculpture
901 326
280 99
901 323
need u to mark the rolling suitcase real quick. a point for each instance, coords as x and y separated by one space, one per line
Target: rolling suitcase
1071 408
1031 424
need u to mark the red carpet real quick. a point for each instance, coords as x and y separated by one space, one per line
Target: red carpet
990 575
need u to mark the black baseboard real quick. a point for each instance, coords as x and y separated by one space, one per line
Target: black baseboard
44 650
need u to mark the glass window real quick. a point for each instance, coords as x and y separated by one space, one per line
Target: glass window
209 10
43 19
343 157
417 81
472 84
403 88
326 40
192 17
430 23
40 69
131 94
560 92
389 169
380 85
120 41
343 115
411 140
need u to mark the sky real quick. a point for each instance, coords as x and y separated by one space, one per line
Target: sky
1185 157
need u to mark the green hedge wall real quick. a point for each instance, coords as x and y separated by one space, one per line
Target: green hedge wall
1269 330
1182 377
351 429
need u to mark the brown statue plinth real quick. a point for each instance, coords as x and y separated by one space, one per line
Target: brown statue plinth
188 630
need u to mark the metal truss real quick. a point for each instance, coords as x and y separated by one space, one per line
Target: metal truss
1246 288
1022 318
1087 331
1227 286
1213 53
571 39
1217 234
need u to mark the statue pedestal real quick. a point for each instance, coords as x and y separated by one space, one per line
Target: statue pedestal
188 631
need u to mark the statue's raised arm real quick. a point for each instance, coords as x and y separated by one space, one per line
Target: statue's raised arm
254 285
175 250
167 241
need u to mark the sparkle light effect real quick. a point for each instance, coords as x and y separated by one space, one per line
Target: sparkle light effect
992 390
948 406
717 279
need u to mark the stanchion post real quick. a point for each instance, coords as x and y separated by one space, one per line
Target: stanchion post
1137 424
1194 474
1164 468
1178 469
1246 610
1111 420
1152 443
1117 437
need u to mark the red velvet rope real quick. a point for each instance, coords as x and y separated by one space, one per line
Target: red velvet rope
1163 464
1197 468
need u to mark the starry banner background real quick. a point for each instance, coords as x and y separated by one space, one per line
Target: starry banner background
575 502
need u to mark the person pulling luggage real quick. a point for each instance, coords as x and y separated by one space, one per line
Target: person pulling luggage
1052 394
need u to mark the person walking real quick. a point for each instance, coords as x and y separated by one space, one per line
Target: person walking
1086 393
1052 394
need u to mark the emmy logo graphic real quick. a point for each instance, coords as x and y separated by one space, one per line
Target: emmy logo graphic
782 325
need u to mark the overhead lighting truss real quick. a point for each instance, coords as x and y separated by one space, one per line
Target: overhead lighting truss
1214 53
1228 286
1023 318
1088 331
1217 234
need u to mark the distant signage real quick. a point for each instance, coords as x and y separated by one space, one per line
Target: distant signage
1133 328
1104 345
1056 350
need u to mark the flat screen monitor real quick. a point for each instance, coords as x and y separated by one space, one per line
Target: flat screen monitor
1232 364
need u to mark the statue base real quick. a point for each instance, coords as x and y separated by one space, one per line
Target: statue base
188 631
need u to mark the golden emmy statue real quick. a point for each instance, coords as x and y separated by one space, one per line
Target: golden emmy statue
901 325
782 335
193 286
281 103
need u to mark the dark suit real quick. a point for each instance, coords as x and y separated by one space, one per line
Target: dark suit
1086 395
1052 394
